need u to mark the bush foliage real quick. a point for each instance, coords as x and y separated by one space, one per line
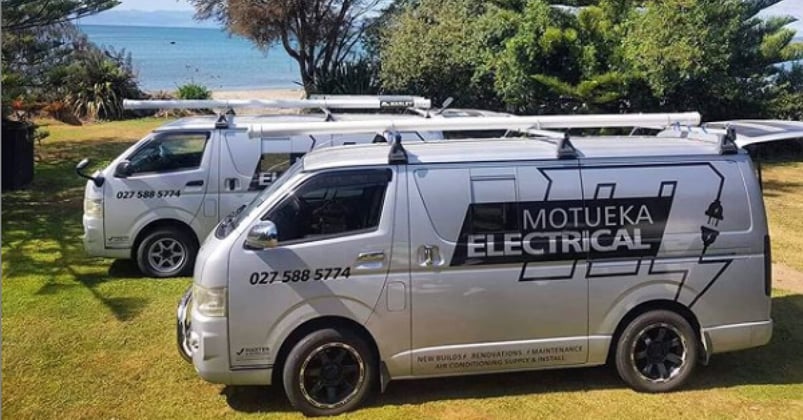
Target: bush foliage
532 56
193 90
46 60
97 81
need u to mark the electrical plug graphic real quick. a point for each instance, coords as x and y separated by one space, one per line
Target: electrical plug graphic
708 235
714 212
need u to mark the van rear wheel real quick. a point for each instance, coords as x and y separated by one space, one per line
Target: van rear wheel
329 372
657 352
166 252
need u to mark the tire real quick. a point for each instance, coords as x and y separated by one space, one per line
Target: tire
314 358
167 252
657 352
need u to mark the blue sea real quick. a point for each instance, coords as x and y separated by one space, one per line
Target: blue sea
166 58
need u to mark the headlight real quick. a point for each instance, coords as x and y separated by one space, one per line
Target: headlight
210 302
93 207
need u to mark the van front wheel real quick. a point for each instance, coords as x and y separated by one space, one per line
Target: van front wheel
166 253
329 372
657 352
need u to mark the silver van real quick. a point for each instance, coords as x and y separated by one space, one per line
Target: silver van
370 263
160 198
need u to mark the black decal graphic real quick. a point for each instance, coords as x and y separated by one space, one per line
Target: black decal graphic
558 230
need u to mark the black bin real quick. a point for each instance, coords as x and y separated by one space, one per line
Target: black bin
17 144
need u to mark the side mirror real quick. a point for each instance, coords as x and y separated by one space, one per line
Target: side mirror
82 164
123 169
98 180
262 235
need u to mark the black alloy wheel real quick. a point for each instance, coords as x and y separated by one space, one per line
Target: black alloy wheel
657 351
330 371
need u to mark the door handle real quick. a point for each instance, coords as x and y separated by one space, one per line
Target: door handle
232 184
429 255
373 256
196 183
371 260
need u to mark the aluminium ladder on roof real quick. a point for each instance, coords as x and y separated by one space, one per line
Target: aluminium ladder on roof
324 102
537 122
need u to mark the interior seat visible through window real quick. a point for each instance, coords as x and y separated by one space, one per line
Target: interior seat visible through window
332 203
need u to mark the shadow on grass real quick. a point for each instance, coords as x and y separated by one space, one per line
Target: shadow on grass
42 228
779 362
124 269
774 188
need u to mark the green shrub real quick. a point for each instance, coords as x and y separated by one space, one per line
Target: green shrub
358 77
193 90
98 80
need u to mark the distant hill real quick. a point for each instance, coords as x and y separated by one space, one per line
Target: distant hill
165 18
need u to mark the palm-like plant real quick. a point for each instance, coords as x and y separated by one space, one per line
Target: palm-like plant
98 81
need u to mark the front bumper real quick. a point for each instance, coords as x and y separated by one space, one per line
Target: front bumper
731 337
94 242
203 341
183 325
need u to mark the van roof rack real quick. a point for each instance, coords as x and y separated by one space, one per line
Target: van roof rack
727 142
565 149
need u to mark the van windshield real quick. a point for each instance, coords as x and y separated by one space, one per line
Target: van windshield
231 221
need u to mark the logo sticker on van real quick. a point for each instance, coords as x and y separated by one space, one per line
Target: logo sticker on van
499 233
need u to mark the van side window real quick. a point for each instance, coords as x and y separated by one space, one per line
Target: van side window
270 167
330 204
170 152
493 218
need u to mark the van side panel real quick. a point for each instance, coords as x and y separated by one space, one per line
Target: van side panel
390 321
237 167
710 254
502 302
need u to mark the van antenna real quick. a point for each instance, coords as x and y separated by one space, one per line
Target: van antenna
566 149
446 103
397 154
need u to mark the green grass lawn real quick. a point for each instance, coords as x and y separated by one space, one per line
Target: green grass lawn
88 338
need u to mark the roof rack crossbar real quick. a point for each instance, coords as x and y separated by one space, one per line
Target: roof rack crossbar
397 155
727 142
329 102
566 149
